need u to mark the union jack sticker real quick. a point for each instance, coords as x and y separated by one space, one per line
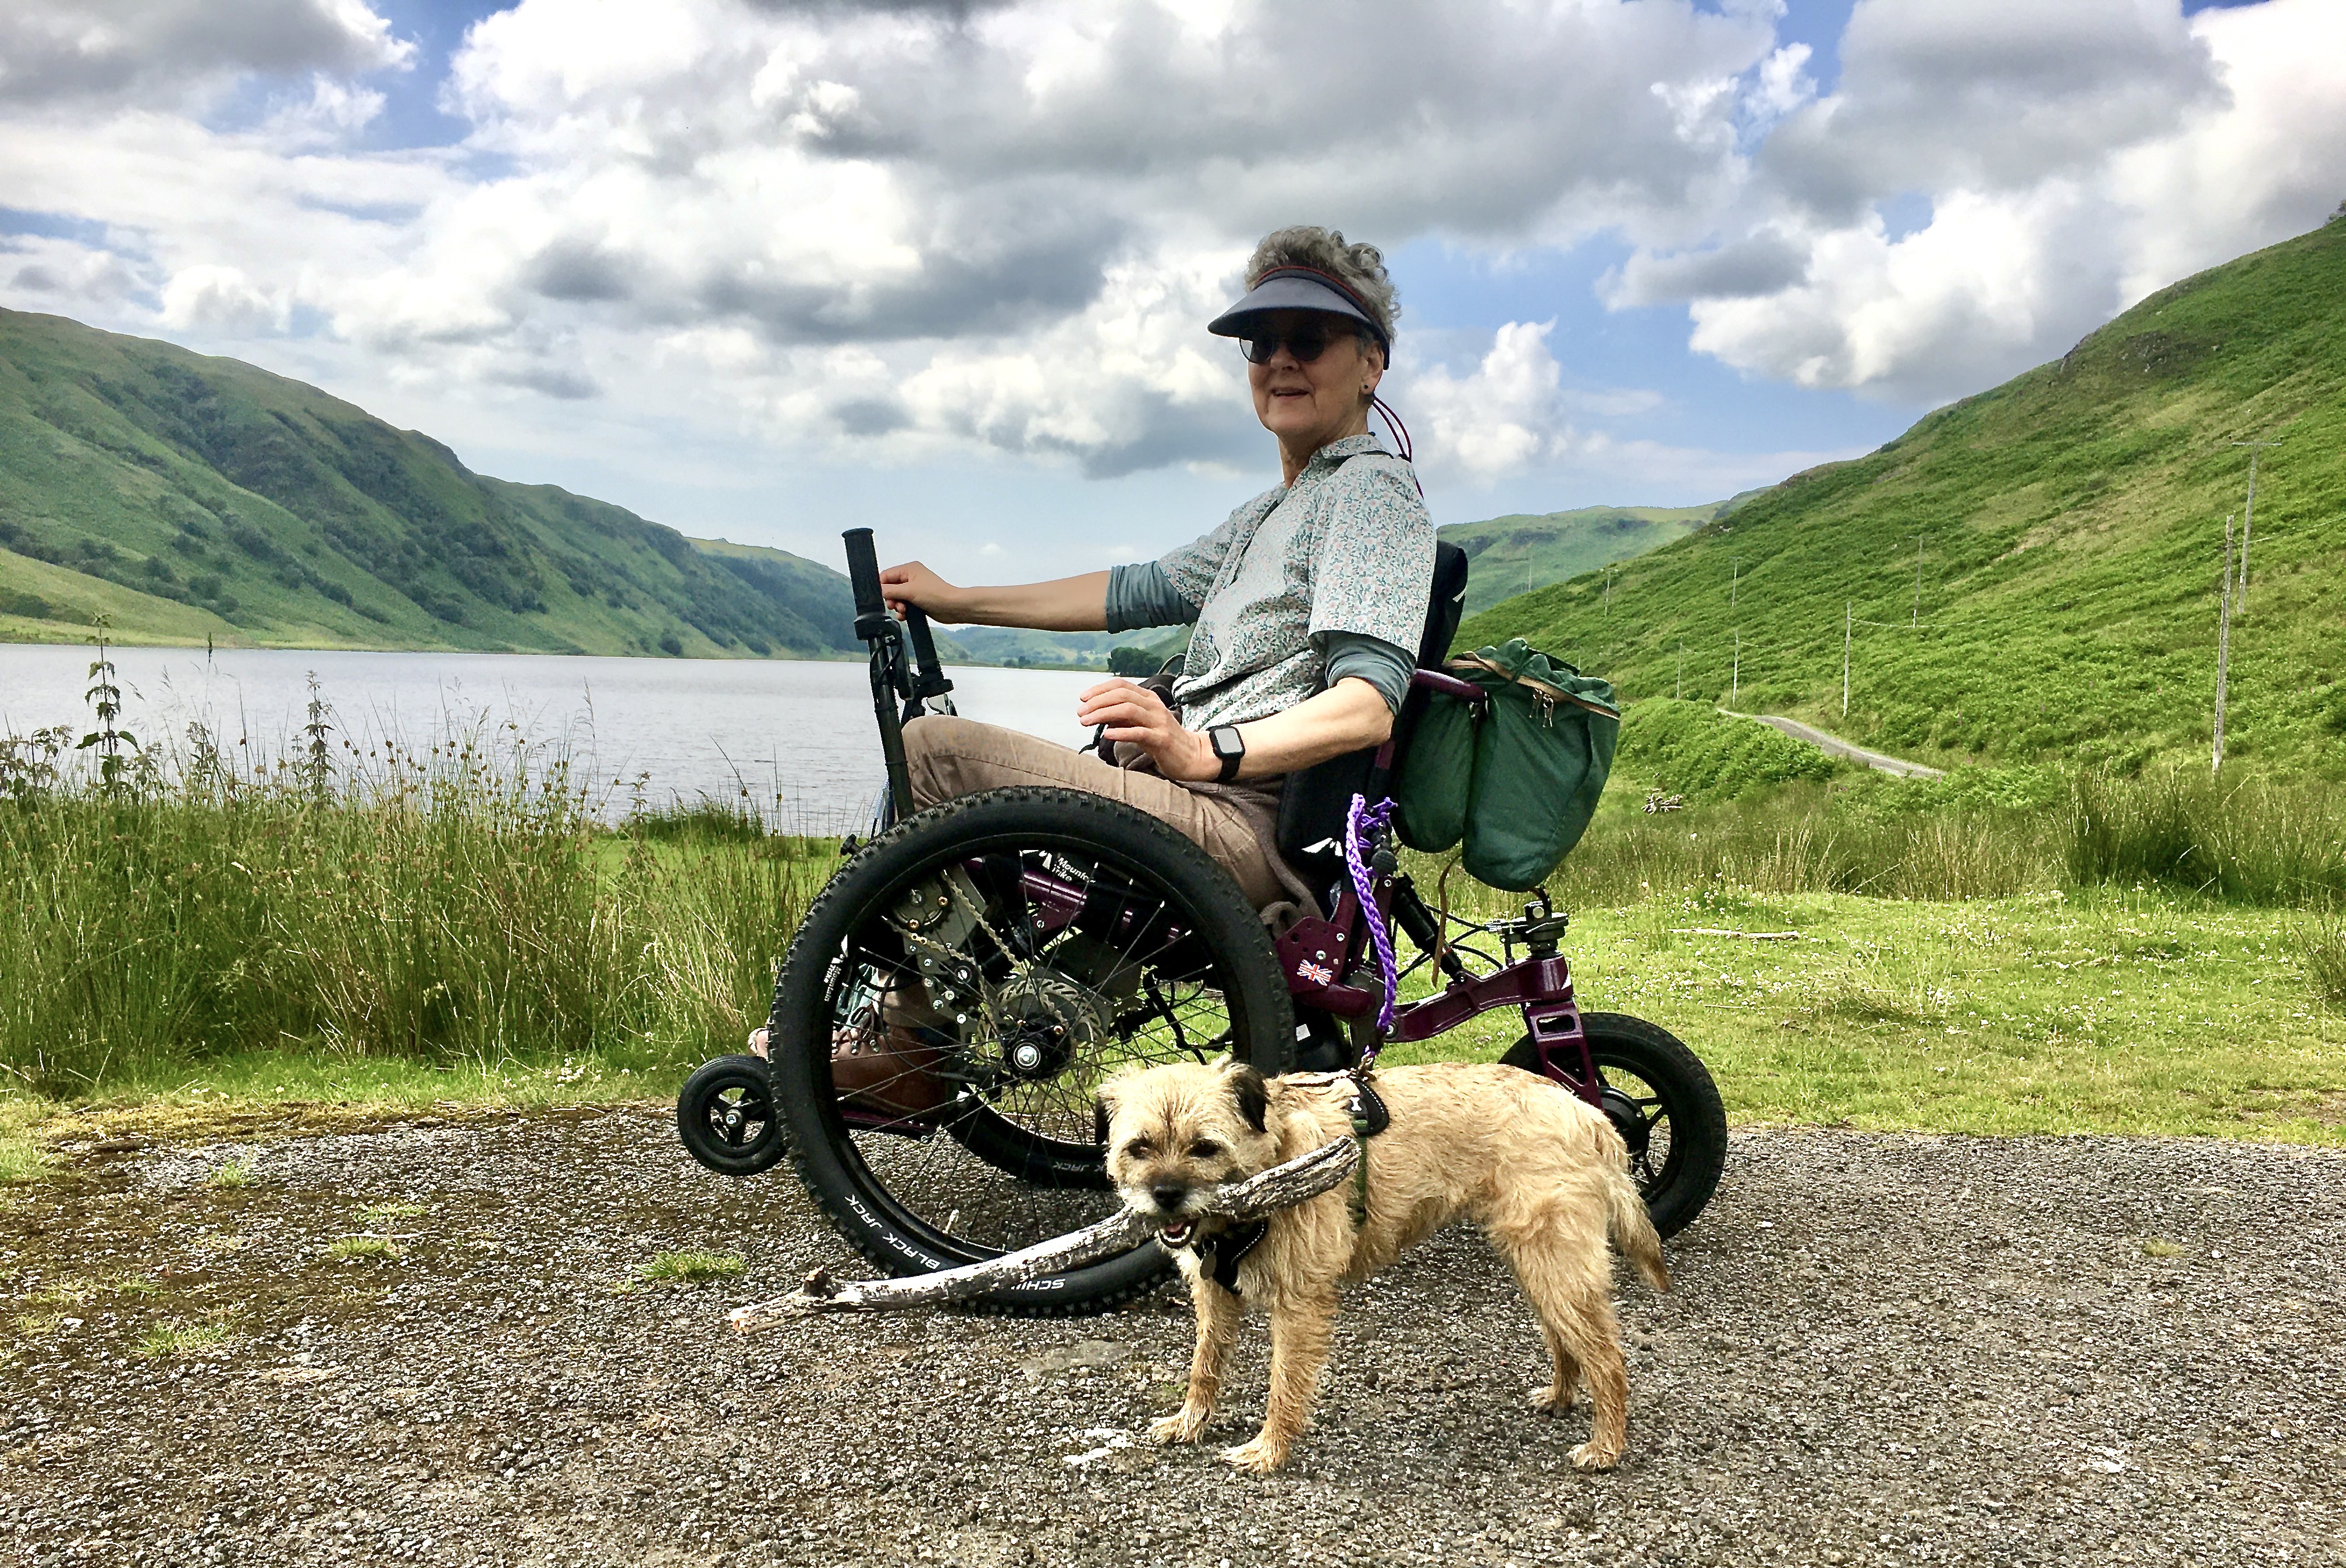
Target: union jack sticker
1317 974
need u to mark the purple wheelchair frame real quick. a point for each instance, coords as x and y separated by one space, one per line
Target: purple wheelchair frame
1315 952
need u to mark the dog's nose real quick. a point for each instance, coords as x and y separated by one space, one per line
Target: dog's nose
1168 1199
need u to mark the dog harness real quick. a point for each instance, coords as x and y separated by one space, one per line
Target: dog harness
1222 1253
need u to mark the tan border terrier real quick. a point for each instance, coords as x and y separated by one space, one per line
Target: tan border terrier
1542 1173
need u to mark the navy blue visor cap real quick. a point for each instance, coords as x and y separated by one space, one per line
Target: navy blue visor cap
1295 288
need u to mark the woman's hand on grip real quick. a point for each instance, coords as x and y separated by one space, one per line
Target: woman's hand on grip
1137 714
913 583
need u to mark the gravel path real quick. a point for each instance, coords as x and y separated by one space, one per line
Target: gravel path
1883 1350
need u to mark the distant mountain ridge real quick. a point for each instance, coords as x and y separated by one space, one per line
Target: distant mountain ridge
1518 552
189 497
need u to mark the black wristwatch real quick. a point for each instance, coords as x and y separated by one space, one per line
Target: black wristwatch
1230 746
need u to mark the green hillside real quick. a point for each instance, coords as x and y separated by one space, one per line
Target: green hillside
1518 552
2070 523
189 497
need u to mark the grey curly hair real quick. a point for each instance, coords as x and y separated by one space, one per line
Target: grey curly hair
1360 267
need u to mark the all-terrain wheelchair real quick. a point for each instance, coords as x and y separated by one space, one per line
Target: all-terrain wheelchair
965 981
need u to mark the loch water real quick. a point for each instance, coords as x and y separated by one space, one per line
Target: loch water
798 735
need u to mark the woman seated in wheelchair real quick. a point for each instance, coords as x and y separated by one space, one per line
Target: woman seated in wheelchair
1308 604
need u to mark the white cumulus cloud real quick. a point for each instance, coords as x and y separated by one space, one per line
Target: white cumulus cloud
888 231
2072 158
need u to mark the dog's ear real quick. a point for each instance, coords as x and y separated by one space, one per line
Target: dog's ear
1109 1094
1251 1091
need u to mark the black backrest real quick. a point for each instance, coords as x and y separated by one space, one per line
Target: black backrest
1449 604
1312 805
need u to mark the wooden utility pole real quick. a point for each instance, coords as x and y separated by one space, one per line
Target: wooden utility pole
1917 618
2223 642
1608 590
1848 611
1734 581
2249 522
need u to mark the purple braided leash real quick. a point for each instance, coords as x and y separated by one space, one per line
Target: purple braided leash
1360 822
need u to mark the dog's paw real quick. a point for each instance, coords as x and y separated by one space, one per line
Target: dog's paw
1259 1457
1588 1456
1551 1400
1184 1425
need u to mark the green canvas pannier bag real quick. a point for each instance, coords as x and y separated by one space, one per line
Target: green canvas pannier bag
1514 777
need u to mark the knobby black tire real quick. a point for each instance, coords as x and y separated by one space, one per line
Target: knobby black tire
842 1185
1697 1121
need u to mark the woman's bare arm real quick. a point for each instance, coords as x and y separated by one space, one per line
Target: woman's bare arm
1347 717
1064 604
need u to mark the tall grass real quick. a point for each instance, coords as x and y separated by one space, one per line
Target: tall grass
2320 938
462 904
459 902
2255 841
2247 840
1802 840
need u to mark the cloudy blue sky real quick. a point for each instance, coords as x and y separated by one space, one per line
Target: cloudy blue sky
772 268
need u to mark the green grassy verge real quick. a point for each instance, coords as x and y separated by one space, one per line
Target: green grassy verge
2102 1012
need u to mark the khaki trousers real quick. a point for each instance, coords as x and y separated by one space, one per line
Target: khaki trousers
949 758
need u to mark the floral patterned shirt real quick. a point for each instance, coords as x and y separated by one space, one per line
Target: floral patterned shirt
1348 547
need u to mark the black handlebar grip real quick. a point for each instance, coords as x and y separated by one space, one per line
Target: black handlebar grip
863 573
925 648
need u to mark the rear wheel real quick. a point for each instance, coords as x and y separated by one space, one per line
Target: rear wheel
957 995
1660 1098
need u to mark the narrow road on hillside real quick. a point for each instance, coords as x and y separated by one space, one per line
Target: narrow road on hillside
1834 746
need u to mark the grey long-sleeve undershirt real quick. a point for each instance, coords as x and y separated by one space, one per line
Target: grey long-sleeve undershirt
1142 595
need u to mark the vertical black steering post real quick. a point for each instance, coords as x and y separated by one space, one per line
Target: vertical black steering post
877 629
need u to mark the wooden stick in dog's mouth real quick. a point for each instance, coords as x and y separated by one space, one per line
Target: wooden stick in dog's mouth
1282 1186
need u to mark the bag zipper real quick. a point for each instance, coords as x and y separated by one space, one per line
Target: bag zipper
1546 695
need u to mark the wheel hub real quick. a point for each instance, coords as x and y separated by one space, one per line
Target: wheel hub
1637 1129
1042 1018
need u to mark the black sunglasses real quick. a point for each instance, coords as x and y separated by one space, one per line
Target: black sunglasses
1307 341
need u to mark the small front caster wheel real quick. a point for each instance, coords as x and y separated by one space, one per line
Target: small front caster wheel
725 1114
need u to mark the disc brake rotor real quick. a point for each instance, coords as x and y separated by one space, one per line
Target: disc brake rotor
1043 1019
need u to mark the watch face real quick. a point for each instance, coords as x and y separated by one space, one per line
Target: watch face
1226 741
